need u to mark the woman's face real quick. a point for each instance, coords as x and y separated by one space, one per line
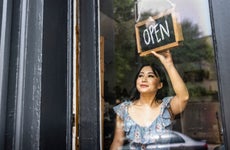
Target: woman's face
147 81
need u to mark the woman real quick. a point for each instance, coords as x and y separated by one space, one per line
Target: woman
149 114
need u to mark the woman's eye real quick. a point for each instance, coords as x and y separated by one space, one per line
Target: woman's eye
140 75
151 76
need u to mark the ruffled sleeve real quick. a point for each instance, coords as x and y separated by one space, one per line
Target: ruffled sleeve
165 114
121 109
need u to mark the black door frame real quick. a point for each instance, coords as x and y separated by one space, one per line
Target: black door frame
89 124
36 74
220 21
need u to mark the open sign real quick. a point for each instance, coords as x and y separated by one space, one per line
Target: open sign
158 33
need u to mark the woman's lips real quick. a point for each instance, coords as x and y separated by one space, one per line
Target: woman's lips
143 85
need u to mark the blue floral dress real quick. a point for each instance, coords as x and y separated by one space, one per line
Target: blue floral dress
140 136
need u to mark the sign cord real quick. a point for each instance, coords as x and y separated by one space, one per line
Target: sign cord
138 8
171 3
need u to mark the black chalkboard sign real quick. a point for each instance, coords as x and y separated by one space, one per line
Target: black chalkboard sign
158 33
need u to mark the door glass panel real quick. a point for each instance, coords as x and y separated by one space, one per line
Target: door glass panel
193 57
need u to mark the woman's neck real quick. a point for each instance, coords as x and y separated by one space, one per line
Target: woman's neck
146 99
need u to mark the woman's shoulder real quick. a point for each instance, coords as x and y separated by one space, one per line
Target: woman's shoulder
167 100
122 108
166 111
123 104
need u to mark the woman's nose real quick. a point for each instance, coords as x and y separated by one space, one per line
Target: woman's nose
144 78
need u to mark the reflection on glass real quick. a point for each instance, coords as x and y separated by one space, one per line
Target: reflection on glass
194 60
173 140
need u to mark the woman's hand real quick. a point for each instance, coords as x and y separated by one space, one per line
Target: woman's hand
165 57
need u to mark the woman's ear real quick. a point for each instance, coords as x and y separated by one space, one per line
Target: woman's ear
160 85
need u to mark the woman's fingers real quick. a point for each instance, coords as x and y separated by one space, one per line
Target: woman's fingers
157 54
163 56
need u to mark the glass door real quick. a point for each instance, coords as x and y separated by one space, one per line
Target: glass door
194 59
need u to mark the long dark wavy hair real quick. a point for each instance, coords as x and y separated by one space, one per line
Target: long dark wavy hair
160 73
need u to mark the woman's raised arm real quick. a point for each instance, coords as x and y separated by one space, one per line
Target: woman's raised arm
179 101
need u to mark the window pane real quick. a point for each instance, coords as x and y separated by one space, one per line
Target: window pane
194 59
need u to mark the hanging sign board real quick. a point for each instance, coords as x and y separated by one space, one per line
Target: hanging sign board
158 33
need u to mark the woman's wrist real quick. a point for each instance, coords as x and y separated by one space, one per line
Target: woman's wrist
169 65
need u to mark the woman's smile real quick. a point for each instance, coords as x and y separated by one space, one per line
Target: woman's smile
144 85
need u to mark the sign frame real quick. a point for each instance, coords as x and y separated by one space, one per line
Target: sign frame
178 35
